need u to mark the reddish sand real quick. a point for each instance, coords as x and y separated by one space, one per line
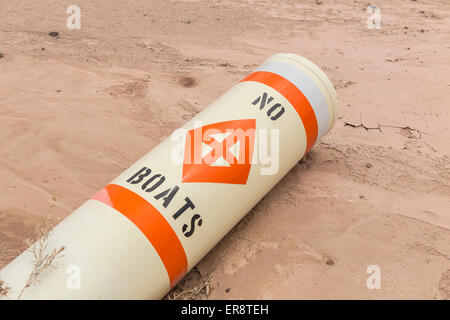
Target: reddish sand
78 109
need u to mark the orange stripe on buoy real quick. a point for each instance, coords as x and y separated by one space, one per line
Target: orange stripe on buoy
295 97
154 226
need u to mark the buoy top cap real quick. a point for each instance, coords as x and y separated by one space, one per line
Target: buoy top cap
318 74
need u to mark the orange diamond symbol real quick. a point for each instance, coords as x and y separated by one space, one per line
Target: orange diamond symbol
219 152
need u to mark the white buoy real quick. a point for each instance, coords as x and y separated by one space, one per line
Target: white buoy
137 237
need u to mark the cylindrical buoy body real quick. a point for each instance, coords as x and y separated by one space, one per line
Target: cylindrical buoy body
146 229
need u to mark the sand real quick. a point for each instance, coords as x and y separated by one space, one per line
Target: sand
77 109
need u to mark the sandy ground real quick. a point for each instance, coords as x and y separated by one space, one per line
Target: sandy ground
77 109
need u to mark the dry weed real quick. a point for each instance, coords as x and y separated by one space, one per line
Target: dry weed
198 292
42 260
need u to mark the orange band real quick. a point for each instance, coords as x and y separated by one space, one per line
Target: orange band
295 97
154 226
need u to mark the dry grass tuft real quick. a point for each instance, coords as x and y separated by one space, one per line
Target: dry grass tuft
42 260
199 292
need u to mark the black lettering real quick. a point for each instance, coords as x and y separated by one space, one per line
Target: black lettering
273 108
263 100
167 196
189 233
186 206
139 176
156 185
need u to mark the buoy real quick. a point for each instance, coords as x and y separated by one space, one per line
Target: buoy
139 235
